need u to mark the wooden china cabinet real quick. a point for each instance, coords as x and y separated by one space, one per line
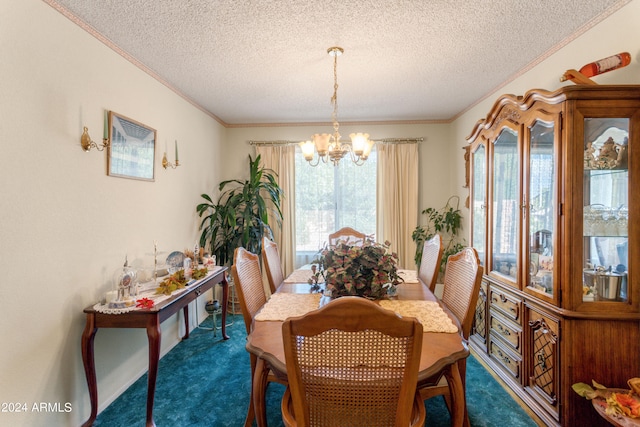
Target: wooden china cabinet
557 228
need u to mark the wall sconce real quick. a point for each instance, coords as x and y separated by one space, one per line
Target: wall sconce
166 163
86 142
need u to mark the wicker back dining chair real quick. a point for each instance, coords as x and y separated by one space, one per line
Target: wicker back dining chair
462 287
247 280
352 363
462 280
272 264
430 261
348 235
251 295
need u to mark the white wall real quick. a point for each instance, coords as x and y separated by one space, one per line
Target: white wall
66 226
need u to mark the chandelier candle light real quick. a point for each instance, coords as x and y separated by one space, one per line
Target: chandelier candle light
328 146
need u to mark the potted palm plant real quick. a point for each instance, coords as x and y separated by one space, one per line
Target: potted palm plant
240 215
448 222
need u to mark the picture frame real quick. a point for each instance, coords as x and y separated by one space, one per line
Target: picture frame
132 149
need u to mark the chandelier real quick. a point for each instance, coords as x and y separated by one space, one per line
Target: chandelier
327 145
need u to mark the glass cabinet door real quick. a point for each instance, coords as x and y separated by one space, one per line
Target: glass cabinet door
505 205
479 202
542 210
605 211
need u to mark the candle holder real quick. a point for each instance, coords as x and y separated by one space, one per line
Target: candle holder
87 144
166 163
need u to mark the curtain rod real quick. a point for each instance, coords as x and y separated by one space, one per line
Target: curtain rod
398 140
279 142
378 141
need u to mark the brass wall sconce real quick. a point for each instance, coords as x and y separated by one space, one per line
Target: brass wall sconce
166 163
87 144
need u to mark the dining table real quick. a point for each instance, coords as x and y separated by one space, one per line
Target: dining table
443 347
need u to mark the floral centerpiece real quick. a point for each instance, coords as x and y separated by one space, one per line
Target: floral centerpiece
368 270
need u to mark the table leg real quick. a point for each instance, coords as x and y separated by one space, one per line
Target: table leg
259 391
225 303
458 404
185 311
154 334
89 362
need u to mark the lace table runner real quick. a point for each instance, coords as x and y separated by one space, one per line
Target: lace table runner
429 313
299 276
409 276
302 276
283 305
148 291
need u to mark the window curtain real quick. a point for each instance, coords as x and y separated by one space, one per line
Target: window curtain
397 200
281 159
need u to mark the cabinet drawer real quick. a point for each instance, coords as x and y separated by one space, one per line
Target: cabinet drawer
509 361
511 334
507 304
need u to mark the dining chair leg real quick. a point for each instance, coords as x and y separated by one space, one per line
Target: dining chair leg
251 415
458 404
259 392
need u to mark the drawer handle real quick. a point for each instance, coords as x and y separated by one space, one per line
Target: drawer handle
504 331
198 292
504 358
541 357
502 299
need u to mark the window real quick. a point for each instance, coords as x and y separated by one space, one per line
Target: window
331 197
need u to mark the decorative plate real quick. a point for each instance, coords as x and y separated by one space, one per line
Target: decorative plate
600 405
175 259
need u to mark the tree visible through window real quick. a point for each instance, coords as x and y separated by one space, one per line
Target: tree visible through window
331 197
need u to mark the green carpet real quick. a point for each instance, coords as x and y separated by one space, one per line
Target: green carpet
204 381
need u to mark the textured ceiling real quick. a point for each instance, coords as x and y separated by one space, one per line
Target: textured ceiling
265 61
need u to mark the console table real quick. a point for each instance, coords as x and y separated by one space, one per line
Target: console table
151 320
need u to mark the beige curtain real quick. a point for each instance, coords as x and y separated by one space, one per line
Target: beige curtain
281 159
397 198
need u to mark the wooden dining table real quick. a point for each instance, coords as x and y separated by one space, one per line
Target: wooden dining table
441 352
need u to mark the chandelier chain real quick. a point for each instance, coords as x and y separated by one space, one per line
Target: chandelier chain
334 98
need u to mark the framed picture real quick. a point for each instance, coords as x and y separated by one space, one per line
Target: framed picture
132 149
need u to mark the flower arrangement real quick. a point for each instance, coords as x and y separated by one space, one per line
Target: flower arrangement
178 281
368 270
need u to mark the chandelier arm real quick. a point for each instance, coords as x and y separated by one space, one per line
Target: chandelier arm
316 163
355 158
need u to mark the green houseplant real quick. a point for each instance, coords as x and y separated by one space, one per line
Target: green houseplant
240 215
447 221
